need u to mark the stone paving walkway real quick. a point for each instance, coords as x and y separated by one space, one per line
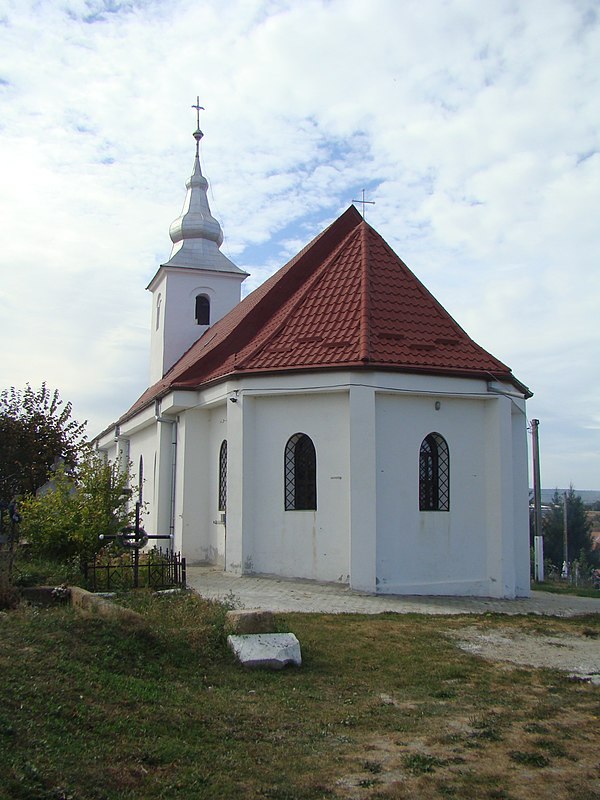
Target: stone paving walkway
282 594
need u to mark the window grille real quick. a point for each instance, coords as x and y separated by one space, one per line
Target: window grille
434 474
300 474
223 476
202 310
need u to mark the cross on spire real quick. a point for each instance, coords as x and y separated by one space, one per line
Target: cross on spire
198 108
198 133
364 203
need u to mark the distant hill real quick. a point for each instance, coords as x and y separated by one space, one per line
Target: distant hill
587 495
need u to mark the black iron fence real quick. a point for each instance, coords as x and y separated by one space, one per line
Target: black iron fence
154 570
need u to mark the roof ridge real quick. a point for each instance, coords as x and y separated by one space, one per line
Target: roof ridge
423 290
255 313
365 304
317 276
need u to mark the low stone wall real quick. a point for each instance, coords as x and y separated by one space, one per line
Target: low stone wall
45 595
251 620
89 603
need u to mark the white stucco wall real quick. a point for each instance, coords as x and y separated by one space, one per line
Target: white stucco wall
307 544
520 524
192 484
215 527
479 546
367 530
174 329
430 551
142 444
126 448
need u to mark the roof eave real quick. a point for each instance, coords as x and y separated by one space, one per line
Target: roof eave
364 366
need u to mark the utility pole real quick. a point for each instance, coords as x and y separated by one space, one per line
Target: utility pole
565 532
537 502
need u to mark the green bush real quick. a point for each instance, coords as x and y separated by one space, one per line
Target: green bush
67 520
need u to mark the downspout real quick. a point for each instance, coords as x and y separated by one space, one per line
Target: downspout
173 422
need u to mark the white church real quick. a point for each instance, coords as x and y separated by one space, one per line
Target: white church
335 425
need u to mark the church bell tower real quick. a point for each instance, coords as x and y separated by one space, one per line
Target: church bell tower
198 284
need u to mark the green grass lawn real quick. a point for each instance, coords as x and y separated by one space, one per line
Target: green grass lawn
383 707
557 587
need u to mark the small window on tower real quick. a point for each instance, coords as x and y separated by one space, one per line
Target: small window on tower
202 310
158 307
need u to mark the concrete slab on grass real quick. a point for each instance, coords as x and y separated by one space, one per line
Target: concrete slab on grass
266 650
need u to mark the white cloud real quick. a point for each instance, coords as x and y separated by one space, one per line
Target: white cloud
474 126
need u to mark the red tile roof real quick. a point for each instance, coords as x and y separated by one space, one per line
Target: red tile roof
345 301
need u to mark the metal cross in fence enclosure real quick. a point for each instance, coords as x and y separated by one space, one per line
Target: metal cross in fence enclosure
134 539
159 571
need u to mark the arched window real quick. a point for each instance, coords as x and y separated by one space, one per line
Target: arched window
223 476
434 474
300 470
141 479
158 307
202 310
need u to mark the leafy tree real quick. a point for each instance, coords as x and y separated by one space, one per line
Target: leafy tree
36 430
66 521
578 529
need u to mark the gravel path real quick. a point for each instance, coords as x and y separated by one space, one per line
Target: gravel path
577 655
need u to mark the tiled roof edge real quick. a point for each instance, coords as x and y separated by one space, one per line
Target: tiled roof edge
442 309
294 274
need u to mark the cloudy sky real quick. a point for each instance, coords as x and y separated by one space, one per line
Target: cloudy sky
474 125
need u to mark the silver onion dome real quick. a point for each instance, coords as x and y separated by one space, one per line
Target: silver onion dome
196 234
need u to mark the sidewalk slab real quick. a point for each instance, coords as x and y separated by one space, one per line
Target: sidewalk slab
288 595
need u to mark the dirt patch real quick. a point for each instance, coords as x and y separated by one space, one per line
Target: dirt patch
522 745
576 654
473 758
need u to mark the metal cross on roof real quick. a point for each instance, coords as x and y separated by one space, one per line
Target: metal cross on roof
198 108
364 203
198 133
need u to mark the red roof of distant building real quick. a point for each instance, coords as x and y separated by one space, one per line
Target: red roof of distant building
345 301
